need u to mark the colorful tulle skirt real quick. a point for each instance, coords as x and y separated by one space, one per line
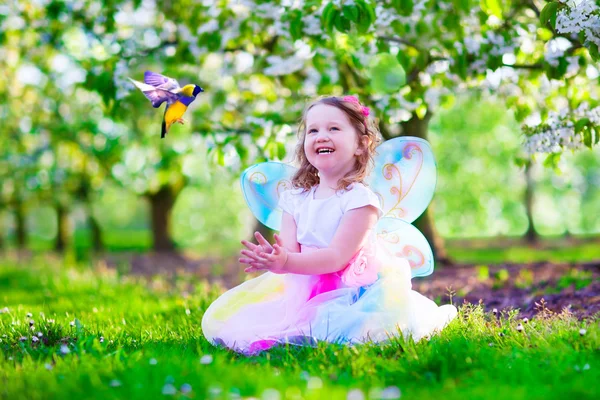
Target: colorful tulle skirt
342 307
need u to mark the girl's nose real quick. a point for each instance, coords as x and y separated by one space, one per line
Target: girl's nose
322 136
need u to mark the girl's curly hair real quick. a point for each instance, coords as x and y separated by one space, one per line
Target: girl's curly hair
307 175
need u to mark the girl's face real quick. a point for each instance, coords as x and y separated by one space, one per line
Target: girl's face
331 142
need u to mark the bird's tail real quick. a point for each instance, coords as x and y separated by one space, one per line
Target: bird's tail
163 131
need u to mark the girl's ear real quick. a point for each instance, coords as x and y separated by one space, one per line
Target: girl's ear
363 144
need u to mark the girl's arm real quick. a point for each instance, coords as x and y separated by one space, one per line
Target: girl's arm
355 227
288 233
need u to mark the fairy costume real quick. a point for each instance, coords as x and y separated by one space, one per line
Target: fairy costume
371 298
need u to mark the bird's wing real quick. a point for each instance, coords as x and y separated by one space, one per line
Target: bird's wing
160 81
155 95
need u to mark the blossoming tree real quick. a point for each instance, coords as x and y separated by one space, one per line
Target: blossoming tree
259 61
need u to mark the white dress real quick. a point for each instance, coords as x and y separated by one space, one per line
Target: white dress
369 300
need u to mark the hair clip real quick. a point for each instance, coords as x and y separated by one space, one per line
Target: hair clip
351 99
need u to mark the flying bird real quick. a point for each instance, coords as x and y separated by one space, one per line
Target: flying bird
159 88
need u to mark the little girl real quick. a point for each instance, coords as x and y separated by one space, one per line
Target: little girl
324 279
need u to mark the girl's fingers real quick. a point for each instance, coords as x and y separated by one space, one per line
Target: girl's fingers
263 259
246 261
278 240
251 255
268 257
248 245
261 239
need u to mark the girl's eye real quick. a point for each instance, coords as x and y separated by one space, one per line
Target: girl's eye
314 130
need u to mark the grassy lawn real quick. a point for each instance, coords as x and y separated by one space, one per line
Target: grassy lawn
102 335
521 253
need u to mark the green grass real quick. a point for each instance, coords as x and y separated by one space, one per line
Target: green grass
492 254
153 344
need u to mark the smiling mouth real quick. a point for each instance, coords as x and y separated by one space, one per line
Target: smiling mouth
325 151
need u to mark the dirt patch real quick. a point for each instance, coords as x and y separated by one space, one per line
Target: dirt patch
506 286
519 286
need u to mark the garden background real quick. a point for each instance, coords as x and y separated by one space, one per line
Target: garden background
113 241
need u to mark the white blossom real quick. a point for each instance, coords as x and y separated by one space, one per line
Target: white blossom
281 66
560 134
312 25
579 17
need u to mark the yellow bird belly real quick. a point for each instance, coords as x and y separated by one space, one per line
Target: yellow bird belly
174 112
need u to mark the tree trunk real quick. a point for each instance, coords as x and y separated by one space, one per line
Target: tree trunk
62 234
425 223
21 225
94 226
96 231
161 206
531 236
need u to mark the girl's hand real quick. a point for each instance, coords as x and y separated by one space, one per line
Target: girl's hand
263 245
260 260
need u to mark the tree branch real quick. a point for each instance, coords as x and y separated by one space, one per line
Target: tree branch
533 7
401 41
525 66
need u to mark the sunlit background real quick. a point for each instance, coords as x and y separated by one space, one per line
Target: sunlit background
81 160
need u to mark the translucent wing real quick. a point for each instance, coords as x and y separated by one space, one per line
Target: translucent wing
262 185
400 239
160 81
156 96
404 177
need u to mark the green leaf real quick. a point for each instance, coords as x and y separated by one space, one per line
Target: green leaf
549 14
596 135
587 138
552 160
351 13
328 16
242 150
271 150
387 74
404 7
462 5
363 24
520 161
364 16
296 25
403 59
581 124
281 150
421 111
217 155
341 23
491 7
212 41
522 111
594 53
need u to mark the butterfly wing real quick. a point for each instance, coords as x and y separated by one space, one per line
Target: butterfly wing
398 238
262 184
404 177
